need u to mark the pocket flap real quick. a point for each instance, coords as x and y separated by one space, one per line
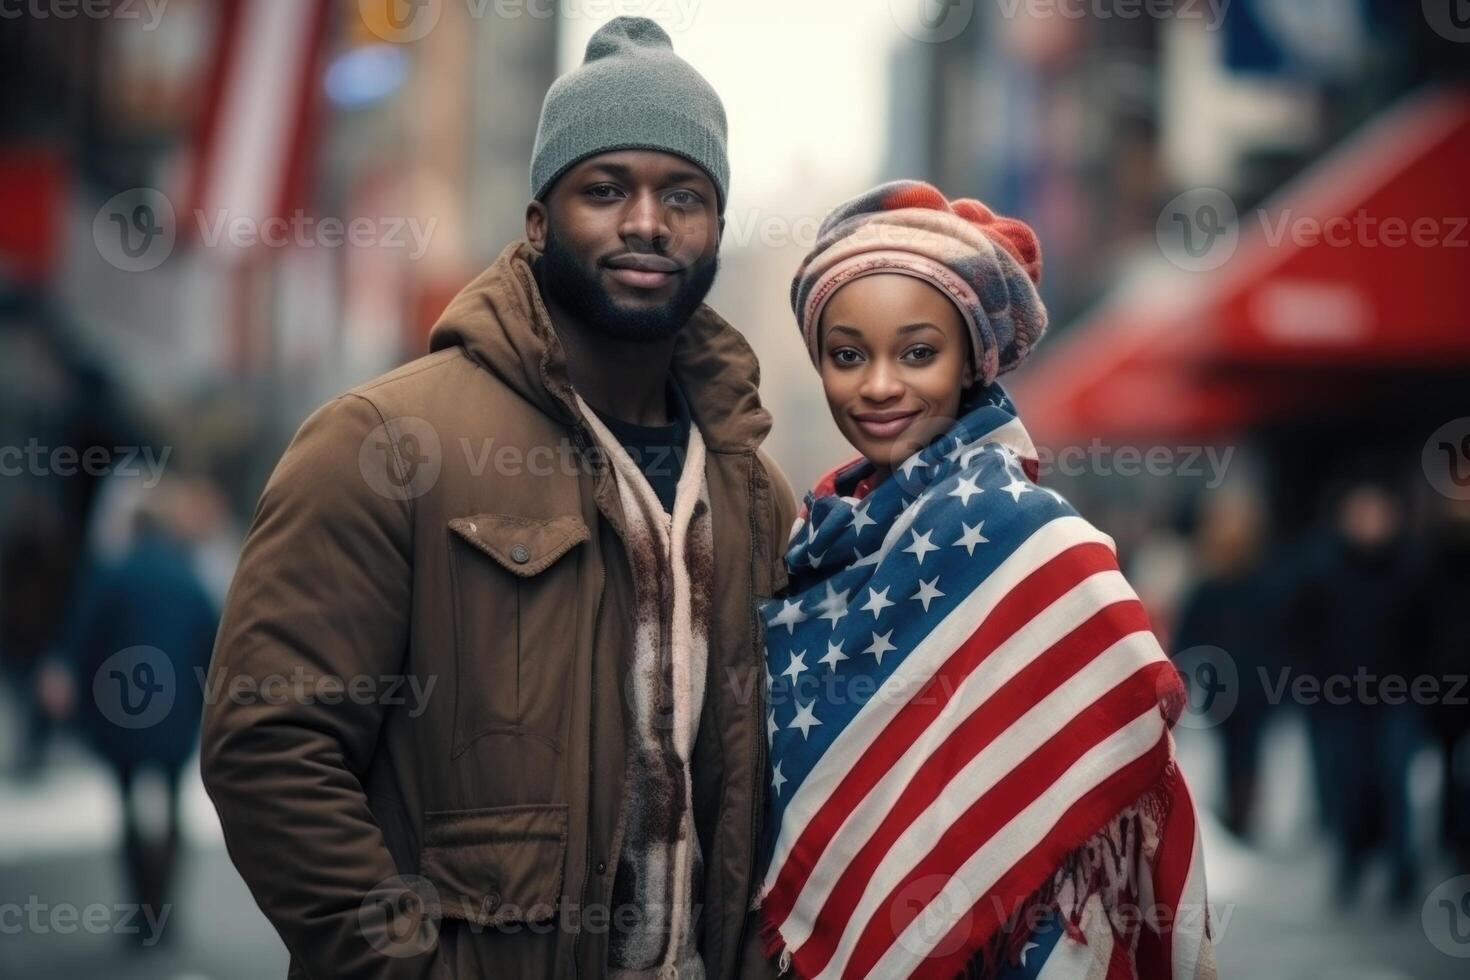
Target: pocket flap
497 864
526 546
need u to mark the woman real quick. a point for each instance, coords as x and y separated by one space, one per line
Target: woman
971 766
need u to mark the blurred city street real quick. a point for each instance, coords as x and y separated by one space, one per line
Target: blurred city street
1274 921
1251 375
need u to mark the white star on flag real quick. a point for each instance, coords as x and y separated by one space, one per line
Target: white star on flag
777 780
928 592
814 558
789 616
880 645
971 537
834 606
921 546
797 665
771 726
834 656
1015 488
877 602
910 464
805 717
1026 949
860 518
966 490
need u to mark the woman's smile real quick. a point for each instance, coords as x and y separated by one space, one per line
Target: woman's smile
885 425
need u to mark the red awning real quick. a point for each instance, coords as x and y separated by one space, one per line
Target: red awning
1363 260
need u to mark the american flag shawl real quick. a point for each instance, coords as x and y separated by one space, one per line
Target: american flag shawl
971 762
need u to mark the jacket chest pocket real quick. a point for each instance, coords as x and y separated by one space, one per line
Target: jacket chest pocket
516 591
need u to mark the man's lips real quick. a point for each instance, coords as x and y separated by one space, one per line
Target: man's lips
643 271
884 425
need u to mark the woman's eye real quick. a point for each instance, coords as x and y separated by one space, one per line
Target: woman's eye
919 353
845 355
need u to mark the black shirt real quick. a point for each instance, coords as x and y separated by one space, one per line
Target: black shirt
658 450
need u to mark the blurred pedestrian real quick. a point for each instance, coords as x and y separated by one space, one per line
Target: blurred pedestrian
1436 631
36 557
1230 608
1346 623
139 640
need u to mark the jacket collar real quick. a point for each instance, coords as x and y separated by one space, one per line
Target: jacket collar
501 321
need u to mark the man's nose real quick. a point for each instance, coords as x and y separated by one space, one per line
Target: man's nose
644 221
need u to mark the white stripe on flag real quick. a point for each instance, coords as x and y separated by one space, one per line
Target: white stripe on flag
1044 544
1023 833
258 111
1012 842
1033 728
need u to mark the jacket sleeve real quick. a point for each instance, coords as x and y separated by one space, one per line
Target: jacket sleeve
321 596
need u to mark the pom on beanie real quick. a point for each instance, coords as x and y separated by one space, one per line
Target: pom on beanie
987 264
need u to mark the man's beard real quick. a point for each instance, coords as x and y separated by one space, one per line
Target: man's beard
581 294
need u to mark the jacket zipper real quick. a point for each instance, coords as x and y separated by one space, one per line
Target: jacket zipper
577 945
757 797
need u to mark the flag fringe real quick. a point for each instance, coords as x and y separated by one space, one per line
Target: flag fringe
1108 867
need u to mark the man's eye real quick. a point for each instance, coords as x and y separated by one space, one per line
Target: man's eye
601 190
683 198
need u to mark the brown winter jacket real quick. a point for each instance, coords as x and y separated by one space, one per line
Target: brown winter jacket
414 729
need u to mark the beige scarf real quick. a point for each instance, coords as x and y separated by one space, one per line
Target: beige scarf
656 892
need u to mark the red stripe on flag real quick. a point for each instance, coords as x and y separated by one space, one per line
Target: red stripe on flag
301 151
991 812
1081 821
1119 966
1018 607
1171 870
1039 678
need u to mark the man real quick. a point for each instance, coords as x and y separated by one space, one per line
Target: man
552 531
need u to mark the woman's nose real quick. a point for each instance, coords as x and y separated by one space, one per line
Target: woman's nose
880 384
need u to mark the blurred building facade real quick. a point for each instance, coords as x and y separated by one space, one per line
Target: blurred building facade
392 171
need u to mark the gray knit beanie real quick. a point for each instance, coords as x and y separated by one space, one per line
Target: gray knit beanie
632 92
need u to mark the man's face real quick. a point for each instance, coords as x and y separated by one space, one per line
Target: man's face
630 242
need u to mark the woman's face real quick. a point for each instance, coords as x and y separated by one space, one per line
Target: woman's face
895 360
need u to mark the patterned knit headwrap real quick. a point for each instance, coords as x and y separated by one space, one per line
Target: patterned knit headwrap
988 265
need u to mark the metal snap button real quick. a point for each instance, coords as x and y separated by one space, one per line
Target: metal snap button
492 901
520 554
602 867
